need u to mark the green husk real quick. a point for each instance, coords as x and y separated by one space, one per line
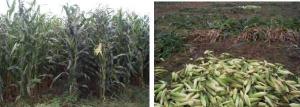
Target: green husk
225 81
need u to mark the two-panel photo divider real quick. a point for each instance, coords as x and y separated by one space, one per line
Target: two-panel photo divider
147 53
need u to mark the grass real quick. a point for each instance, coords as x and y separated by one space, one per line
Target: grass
166 44
134 98
220 21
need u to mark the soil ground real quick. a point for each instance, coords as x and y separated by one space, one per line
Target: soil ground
134 97
277 52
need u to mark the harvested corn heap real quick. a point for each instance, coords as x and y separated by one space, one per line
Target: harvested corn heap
226 81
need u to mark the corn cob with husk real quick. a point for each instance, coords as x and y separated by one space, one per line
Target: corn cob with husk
225 81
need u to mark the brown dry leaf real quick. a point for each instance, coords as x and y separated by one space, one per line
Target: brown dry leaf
205 36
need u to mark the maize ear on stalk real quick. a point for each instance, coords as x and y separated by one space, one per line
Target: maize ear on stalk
225 81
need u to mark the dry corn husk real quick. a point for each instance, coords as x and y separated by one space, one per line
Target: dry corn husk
225 81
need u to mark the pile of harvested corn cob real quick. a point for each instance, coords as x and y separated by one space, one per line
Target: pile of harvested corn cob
225 81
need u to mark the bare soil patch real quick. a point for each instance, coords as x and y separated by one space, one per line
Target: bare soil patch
200 40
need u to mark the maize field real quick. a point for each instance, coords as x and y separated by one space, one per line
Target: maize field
96 54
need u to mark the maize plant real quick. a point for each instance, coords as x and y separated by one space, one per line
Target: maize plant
98 51
226 81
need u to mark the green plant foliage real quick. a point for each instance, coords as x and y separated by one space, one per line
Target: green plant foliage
34 44
253 22
166 44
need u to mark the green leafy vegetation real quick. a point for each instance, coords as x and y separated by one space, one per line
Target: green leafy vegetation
166 44
85 54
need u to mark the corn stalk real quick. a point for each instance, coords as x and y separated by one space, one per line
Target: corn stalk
34 44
